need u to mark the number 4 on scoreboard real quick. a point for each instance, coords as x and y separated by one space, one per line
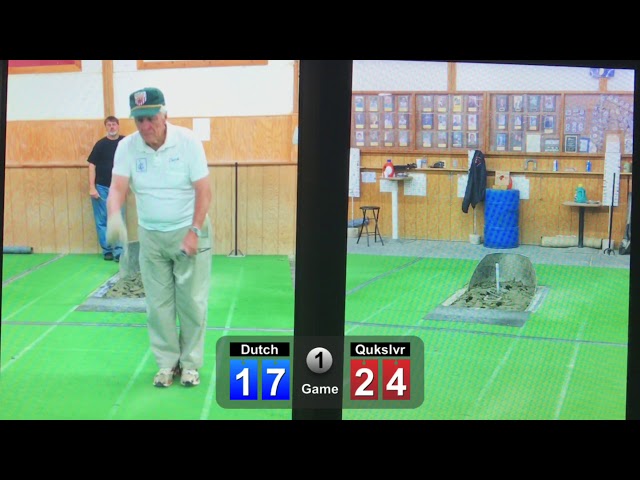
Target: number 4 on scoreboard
396 379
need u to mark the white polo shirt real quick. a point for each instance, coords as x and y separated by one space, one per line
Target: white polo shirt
162 180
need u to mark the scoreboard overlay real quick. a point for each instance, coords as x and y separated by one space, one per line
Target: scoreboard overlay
378 372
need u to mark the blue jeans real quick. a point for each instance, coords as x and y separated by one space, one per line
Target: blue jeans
100 215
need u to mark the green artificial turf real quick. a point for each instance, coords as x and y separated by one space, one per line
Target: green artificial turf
567 362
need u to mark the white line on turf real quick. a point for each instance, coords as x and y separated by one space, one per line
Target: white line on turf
570 370
15 358
211 391
132 381
32 269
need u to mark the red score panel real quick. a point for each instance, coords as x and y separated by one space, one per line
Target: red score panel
396 379
364 379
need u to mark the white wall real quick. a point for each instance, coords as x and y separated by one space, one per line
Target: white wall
268 90
495 77
259 90
623 80
56 96
400 75
397 75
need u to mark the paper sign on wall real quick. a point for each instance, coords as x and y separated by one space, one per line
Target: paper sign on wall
354 172
202 128
387 186
611 166
522 184
462 185
533 142
417 186
609 187
368 177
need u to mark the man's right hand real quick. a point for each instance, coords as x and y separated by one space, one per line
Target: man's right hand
94 193
116 229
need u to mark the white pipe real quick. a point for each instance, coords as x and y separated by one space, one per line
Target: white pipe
475 232
352 218
394 212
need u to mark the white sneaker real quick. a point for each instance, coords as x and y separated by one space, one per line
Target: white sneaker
190 378
164 378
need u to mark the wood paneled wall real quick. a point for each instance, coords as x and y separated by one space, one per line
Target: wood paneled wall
47 205
50 210
439 216
69 142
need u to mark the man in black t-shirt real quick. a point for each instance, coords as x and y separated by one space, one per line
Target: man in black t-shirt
100 167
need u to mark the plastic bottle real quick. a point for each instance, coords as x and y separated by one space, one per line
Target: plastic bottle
388 170
588 165
555 165
581 194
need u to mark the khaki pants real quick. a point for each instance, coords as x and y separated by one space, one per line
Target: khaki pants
176 287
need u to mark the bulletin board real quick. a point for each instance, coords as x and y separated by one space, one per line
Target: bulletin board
44 66
590 117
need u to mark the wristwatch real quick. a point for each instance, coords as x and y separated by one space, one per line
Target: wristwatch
196 230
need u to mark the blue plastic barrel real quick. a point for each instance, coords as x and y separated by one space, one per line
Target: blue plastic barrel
501 218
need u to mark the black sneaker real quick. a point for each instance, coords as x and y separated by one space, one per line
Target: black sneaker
108 256
116 258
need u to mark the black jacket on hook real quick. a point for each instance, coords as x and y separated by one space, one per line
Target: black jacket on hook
476 183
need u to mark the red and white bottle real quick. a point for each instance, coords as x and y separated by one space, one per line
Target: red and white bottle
388 171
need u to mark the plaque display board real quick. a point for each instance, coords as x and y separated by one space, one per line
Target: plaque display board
511 122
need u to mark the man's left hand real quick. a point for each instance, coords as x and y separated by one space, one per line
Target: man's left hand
190 243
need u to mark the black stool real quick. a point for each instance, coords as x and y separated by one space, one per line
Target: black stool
365 224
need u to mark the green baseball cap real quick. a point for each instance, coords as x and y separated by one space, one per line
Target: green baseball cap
146 102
